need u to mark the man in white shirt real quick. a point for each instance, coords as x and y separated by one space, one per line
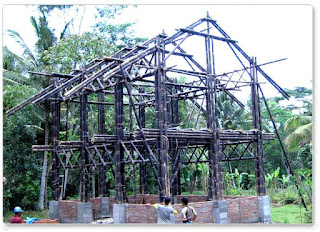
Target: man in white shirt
188 212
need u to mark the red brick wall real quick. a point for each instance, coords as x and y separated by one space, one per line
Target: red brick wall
240 209
137 213
203 209
96 206
68 211
193 198
243 209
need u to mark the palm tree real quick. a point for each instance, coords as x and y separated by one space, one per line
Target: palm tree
231 116
302 131
45 40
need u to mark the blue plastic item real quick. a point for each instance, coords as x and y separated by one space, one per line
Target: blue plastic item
31 220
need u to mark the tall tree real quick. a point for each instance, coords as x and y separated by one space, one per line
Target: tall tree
45 39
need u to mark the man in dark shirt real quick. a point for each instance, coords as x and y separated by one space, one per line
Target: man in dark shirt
17 215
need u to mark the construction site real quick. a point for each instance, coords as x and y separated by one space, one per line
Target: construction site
146 78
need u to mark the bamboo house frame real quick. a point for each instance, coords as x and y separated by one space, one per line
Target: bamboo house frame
139 78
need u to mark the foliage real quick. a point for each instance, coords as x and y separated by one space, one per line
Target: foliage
109 11
288 214
271 179
308 215
26 213
21 165
75 51
235 183
231 115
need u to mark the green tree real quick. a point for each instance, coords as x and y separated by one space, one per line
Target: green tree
21 165
45 39
231 115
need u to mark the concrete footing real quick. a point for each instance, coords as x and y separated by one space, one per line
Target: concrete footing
119 213
220 212
85 212
54 209
264 209
105 208
175 200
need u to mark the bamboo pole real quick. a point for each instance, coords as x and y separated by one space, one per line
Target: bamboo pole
256 120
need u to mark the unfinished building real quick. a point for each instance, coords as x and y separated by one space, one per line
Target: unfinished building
145 78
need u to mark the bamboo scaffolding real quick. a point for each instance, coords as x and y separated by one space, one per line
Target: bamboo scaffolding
142 71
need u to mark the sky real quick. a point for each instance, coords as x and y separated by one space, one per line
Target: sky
268 32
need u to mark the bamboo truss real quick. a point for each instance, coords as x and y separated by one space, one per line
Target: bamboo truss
140 81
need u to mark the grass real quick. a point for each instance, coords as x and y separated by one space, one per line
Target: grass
288 214
31 214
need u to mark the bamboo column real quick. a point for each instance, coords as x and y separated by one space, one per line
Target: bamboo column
161 119
256 120
119 153
55 111
142 166
215 155
84 137
176 187
102 185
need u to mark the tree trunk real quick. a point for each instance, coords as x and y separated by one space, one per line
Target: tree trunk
41 205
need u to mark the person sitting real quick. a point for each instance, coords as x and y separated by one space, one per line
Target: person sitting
17 215
188 212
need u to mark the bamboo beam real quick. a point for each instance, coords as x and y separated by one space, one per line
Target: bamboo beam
60 75
192 32
272 82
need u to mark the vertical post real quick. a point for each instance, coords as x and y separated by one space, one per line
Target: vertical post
143 178
256 121
142 111
175 122
84 137
215 156
142 166
161 119
55 110
119 153
102 185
